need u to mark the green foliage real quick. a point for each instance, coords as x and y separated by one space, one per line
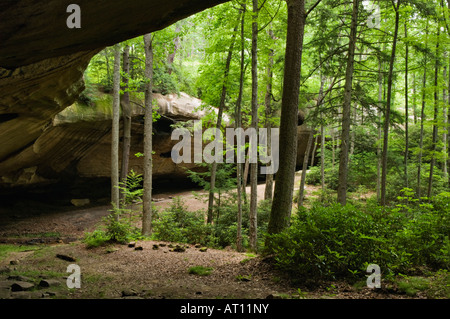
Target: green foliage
131 189
119 225
177 224
335 241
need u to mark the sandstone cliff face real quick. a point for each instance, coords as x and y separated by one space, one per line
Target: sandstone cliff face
80 145
77 144
41 73
41 69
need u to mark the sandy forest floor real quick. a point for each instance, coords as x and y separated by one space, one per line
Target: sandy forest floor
119 271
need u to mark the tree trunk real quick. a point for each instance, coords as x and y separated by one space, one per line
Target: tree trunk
448 112
406 110
380 106
333 149
239 246
284 186
268 98
115 129
301 189
414 98
254 166
219 126
245 177
435 124
126 116
147 213
444 135
314 150
387 114
108 72
345 139
422 120
322 157
176 43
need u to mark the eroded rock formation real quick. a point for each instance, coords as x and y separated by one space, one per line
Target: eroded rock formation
42 63
41 73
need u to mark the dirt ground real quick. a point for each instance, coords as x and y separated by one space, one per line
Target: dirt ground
155 271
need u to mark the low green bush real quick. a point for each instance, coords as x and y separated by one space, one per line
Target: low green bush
117 227
340 241
177 224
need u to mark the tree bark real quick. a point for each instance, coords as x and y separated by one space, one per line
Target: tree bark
380 106
176 45
219 126
435 124
422 120
448 118
147 213
345 138
115 129
108 72
239 246
268 98
284 186
322 157
254 166
387 114
444 135
406 110
301 190
126 116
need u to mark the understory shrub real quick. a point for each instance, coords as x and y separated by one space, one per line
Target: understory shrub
341 241
117 227
177 224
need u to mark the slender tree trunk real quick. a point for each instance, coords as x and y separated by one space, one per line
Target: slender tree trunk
414 98
238 122
126 116
176 43
268 98
422 120
253 238
387 114
108 72
435 124
353 133
284 186
333 149
147 213
444 135
380 106
301 190
448 117
314 150
245 177
219 127
345 139
115 129
322 157
406 110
